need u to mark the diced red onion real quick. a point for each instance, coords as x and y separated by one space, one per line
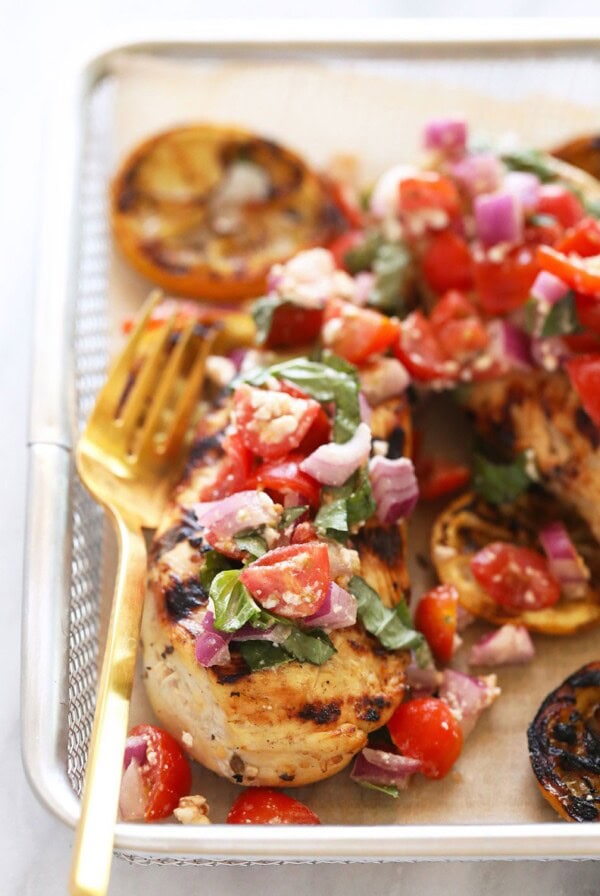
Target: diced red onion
366 411
478 173
508 645
548 288
525 186
422 682
212 647
395 488
509 345
243 510
135 748
549 354
383 768
467 696
446 134
333 463
338 610
463 618
498 218
132 795
383 379
363 287
564 562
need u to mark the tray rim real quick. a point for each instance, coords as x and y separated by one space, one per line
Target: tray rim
50 442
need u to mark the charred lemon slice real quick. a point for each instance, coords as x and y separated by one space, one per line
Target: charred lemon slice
205 210
564 746
470 523
582 152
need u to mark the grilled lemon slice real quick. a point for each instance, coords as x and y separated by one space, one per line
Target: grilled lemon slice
205 210
470 523
564 746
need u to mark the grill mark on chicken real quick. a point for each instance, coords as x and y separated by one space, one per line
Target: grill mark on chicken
320 713
205 451
396 443
588 429
182 597
233 671
188 529
369 708
385 542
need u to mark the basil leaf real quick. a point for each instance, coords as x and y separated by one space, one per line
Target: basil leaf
392 627
501 483
262 312
263 654
361 257
391 268
309 647
232 601
214 563
562 318
423 656
253 543
291 514
389 789
346 506
530 160
329 380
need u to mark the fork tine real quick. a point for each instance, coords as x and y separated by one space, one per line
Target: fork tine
164 392
116 380
188 398
146 381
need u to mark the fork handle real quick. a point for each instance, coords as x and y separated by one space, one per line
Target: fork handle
92 853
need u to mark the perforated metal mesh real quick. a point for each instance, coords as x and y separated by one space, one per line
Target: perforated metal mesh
90 352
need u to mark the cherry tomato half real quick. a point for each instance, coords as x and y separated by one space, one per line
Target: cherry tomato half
272 423
583 239
167 777
446 262
426 729
439 477
291 580
515 578
584 373
504 285
436 619
429 190
293 326
356 333
419 350
230 473
260 805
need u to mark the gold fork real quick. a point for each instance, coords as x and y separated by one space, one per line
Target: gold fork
127 457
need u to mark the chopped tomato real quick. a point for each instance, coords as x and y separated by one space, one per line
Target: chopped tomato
544 229
272 423
584 373
285 476
230 473
458 327
260 805
356 333
439 477
581 274
166 774
428 190
344 243
436 619
293 326
515 578
446 262
318 434
561 203
583 239
588 314
418 348
304 532
426 729
291 581
504 285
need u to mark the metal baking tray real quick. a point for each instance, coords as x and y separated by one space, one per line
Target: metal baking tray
65 535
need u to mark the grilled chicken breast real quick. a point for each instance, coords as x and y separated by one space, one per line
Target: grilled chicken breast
540 411
285 726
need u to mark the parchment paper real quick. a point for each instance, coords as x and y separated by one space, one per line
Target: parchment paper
323 109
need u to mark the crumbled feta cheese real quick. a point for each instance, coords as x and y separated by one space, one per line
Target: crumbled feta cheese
192 810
